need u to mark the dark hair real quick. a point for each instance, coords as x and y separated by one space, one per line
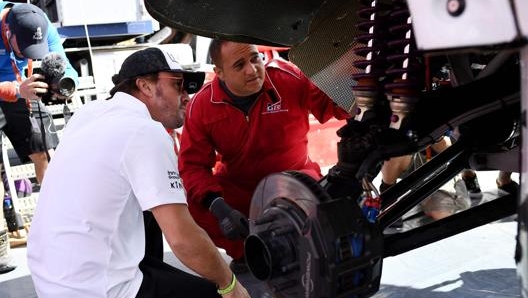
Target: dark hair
215 51
128 85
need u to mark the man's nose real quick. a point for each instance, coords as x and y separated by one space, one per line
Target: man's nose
251 69
185 98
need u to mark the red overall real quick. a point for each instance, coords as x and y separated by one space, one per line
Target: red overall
271 138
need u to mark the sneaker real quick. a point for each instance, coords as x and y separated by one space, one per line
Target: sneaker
511 188
6 268
471 182
239 266
398 224
5 260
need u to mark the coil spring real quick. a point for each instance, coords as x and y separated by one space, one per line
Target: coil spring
406 69
374 64
371 14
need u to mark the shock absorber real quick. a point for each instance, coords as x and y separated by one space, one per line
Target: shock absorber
358 136
404 84
369 88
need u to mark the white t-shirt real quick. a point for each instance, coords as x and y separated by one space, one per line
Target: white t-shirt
87 235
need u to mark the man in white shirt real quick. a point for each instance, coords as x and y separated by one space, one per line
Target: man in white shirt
116 160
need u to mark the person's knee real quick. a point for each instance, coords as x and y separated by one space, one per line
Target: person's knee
394 167
504 178
39 158
438 214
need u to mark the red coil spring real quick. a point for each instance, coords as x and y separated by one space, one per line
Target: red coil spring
373 37
407 69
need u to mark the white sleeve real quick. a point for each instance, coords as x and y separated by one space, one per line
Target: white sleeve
149 163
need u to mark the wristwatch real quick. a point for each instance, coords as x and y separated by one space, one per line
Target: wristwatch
17 86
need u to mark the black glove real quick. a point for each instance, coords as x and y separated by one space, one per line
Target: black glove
233 223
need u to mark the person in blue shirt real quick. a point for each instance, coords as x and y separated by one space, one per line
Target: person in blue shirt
27 35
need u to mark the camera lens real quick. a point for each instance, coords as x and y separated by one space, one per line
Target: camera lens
66 86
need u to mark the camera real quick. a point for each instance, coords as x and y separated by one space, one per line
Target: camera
53 67
61 85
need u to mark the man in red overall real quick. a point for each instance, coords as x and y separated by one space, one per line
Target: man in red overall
255 118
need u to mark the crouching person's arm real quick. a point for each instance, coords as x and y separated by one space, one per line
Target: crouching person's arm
193 247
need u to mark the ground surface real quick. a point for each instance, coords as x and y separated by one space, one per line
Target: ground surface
477 263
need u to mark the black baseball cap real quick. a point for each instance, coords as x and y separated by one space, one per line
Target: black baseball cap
153 60
30 26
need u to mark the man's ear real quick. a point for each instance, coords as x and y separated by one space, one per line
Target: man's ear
144 86
219 73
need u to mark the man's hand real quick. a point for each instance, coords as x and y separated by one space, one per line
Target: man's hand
58 97
233 223
239 291
34 85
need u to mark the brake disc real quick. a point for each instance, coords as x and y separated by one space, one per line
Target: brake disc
294 186
306 244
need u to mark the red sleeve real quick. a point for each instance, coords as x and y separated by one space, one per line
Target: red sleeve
8 91
320 105
197 156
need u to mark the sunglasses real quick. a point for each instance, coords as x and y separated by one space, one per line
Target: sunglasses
178 81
